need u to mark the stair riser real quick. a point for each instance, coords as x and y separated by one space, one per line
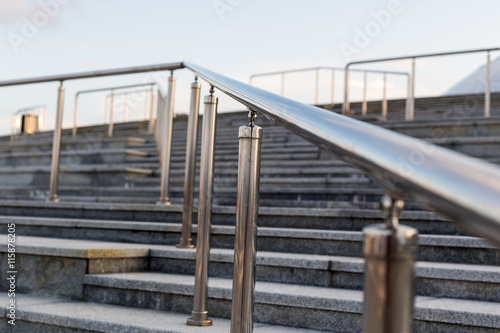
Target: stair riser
264 313
465 255
65 160
40 179
333 279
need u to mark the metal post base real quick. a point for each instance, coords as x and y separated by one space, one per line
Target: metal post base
185 244
164 202
53 198
199 319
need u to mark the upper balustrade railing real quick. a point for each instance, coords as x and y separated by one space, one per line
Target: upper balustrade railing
111 111
464 189
332 84
410 101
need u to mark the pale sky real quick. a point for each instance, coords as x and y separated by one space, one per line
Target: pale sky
236 38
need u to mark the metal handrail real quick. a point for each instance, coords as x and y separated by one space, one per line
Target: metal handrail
112 89
465 189
333 69
410 103
460 187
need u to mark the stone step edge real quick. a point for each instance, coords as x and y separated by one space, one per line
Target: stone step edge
97 317
230 210
99 249
74 248
444 310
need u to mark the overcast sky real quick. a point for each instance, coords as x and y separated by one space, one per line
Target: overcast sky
236 38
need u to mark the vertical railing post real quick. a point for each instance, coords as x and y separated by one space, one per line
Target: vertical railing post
166 138
56 146
390 253
151 125
190 166
247 207
333 88
316 89
410 110
346 106
384 100
75 117
111 111
364 107
125 108
487 91
283 84
160 106
199 315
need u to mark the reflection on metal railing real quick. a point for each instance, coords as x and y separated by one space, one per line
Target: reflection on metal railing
410 101
464 189
28 121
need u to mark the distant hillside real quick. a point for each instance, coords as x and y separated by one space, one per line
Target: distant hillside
475 83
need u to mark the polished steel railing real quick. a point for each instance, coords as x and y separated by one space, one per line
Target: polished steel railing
113 94
464 189
410 102
317 70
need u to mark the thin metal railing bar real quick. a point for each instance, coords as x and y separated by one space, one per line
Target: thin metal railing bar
462 188
421 56
325 68
88 75
117 88
129 92
29 109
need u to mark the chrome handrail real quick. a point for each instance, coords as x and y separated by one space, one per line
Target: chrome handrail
410 104
81 92
462 188
333 69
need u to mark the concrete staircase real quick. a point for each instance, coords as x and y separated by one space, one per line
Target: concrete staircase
104 258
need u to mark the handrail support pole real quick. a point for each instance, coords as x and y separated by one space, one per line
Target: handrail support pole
364 107
75 117
111 111
151 124
247 206
390 253
487 91
56 146
166 145
199 315
384 99
190 166
346 106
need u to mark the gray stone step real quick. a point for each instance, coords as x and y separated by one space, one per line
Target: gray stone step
472 282
50 314
71 157
304 306
55 266
433 248
84 144
76 175
279 217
